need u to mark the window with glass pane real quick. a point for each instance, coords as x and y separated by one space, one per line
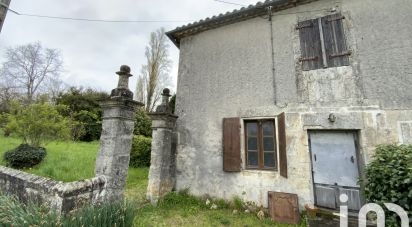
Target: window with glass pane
260 144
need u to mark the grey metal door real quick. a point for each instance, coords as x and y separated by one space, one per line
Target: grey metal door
335 168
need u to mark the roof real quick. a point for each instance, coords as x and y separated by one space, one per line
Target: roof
245 13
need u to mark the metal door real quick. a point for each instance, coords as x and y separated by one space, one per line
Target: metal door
335 168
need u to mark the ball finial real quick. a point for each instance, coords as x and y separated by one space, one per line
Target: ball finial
125 69
166 92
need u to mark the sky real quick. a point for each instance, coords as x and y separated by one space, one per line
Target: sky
93 51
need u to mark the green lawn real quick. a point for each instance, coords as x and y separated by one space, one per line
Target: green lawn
71 161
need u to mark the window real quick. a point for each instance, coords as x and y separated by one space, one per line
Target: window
322 43
260 140
262 153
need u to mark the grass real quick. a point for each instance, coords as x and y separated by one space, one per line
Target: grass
71 161
181 209
14 213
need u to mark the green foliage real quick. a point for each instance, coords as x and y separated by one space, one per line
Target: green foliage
140 154
38 123
143 123
182 199
13 213
24 156
84 111
113 214
389 177
238 203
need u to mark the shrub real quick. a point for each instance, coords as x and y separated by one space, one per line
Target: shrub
83 107
140 154
38 123
24 156
389 177
143 123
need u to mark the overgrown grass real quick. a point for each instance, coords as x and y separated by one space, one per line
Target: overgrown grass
72 161
13 213
181 209
65 161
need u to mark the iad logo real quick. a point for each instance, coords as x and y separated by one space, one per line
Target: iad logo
374 208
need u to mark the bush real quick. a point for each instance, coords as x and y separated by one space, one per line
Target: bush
38 123
14 213
24 156
84 109
389 177
140 154
143 123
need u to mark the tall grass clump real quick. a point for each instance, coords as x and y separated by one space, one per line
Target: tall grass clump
13 213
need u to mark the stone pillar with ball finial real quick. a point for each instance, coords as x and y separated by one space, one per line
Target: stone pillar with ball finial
112 162
162 162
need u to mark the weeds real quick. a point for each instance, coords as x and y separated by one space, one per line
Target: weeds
14 213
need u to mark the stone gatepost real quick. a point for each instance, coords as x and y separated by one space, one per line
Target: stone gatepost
112 162
162 163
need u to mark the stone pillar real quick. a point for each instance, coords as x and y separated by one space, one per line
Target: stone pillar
112 162
162 163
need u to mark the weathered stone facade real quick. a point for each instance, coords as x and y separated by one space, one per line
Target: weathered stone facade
228 72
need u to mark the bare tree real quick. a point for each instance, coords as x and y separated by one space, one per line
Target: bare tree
140 90
30 69
155 71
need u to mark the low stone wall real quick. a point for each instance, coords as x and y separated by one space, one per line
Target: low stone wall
59 196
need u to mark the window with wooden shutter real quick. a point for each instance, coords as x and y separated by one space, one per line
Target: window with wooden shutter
231 145
310 44
323 43
336 50
260 144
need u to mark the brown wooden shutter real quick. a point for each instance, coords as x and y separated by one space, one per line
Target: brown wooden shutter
283 162
231 145
337 53
310 45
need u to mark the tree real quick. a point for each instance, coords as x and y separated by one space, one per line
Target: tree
154 74
30 69
37 123
84 111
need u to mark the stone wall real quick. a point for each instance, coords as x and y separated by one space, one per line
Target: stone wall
59 196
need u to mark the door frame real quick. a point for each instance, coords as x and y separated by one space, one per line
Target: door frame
360 162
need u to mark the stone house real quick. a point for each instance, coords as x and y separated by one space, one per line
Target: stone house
292 96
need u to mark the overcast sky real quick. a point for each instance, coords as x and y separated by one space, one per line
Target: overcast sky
93 51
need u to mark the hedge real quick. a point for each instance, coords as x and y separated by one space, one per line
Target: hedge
140 154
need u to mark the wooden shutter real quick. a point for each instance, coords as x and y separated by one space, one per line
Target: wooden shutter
231 145
283 162
310 45
337 53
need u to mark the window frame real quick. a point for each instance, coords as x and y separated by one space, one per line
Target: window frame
260 149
